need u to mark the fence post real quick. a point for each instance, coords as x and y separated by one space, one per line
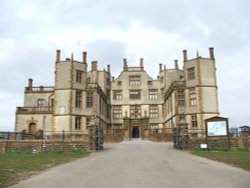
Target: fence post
8 135
63 135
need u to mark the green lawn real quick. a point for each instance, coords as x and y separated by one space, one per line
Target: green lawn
236 158
17 166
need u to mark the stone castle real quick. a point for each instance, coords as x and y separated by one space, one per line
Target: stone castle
133 102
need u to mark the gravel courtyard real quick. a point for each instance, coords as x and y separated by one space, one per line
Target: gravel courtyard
140 164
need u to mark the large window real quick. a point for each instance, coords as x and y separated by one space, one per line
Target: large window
181 98
117 112
153 111
77 123
78 100
89 99
135 111
153 94
117 94
192 96
79 76
191 73
194 121
134 80
135 94
40 102
154 128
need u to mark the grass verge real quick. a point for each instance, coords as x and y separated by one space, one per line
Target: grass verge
15 167
239 158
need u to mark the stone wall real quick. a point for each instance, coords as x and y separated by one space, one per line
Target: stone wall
113 138
221 143
42 145
160 137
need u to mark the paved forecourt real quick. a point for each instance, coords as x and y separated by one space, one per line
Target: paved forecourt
140 164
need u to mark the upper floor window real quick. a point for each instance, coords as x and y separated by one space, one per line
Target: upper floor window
192 96
77 123
119 83
152 94
89 100
117 94
194 121
181 98
153 111
78 100
79 76
40 102
135 94
191 73
117 112
134 80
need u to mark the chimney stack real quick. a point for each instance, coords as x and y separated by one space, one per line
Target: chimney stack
141 63
160 67
176 66
125 64
211 53
58 55
184 55
30 83
84 57
108 68
94 66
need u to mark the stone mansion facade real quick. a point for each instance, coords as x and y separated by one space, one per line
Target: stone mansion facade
132 102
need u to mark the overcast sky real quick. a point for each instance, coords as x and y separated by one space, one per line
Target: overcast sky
110 30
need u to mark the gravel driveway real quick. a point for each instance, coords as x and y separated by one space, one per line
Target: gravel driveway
140 164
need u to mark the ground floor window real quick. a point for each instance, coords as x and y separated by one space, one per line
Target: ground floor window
77 123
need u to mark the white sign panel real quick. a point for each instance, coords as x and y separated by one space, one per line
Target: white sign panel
217 128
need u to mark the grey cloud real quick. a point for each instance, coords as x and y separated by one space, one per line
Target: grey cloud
108 52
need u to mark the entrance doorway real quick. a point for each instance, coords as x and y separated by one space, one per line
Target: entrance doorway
135 132
32 128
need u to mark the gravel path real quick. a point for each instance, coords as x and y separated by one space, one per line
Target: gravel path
140 164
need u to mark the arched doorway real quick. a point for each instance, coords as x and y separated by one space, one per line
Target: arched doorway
32 128
135 132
